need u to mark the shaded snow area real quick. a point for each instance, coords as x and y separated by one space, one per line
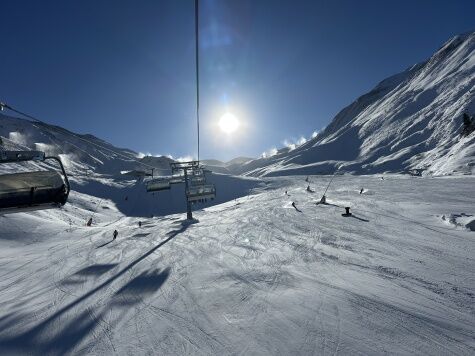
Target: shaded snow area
132 199
250 276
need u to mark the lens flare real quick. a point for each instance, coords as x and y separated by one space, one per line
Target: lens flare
228 123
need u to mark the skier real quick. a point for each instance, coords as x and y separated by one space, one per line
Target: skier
89 222
361 191
140 224
309 189
306 179
115 234
295 207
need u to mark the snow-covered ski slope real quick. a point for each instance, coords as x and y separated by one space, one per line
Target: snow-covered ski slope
81 154
251 276
411 120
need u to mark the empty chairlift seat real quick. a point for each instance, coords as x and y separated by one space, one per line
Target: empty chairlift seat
198 180
201 192
177 179
31 190
158 184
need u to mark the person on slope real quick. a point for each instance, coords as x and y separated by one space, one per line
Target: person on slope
89 222
115 233
295 207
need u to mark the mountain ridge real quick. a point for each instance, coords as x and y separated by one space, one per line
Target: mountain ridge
386 129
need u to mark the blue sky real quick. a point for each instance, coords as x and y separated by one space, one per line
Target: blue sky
124 70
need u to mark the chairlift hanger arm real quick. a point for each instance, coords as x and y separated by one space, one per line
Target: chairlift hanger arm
66 180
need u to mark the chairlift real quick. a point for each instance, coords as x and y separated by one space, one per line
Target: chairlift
178 167
197 172
198 190
177 179
155 185
35 190
201 192
197 180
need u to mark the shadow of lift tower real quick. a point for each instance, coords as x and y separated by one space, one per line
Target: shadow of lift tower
193 175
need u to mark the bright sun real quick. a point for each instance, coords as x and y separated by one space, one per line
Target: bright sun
228 123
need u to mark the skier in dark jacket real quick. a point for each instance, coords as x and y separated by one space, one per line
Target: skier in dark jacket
115 234
295 207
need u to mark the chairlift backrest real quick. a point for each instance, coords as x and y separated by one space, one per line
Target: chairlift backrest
21 156
201 192
197 180
158 184
177 179
31 190
178 167
198 172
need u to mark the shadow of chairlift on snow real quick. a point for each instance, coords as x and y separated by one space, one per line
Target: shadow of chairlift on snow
45 338
145 284
96 270
82 275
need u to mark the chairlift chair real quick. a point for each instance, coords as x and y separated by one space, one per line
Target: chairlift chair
201 192
198 172
35 190
197 180
178 167
155 185
177 179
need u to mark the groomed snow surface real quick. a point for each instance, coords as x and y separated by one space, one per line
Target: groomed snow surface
250 276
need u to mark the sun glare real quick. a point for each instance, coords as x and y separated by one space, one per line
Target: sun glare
228 123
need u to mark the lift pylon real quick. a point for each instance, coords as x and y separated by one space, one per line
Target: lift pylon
193 175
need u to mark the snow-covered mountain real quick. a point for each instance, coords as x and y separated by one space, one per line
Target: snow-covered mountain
411 120
80 153
230 167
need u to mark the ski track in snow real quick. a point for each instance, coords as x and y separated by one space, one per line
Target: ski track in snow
252 276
